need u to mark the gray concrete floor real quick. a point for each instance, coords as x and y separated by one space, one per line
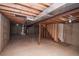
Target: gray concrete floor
28 46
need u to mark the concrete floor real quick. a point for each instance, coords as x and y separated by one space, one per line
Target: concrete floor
28 46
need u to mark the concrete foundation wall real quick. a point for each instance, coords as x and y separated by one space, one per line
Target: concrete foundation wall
71 33
68 33
4 31
0 33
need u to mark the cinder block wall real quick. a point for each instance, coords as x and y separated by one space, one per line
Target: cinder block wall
4 31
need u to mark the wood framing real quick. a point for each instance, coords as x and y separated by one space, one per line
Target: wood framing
27 6
13 18
57 19
15 12
44 4
20 9
39 34
56 33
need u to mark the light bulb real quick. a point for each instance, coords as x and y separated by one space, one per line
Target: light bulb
70 21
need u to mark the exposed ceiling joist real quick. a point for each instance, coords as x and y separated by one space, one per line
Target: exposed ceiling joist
27 6
13 18
12 12
45 4
20 9
63 17
48 4
54 20
42 5
37 6
16 11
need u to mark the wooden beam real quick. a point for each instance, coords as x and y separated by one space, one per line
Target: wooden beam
53 21
53 30
44 4
19 9
56 32
42 7
14 12
57 19
39 34
46 30
13 18
28 6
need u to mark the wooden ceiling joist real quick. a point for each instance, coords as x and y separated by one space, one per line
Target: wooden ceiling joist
53 21
13 18
15 12
36 6
19 9
27 6
44 4
63 17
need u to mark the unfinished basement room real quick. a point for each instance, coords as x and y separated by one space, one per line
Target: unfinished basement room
39 29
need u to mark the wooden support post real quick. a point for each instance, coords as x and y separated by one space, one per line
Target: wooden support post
46 31
56 33
39 33
43 30
52 30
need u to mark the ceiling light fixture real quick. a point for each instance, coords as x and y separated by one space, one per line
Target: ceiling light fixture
71 18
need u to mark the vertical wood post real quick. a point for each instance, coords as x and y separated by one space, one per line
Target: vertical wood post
43 31
46 31
39 34
56 32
